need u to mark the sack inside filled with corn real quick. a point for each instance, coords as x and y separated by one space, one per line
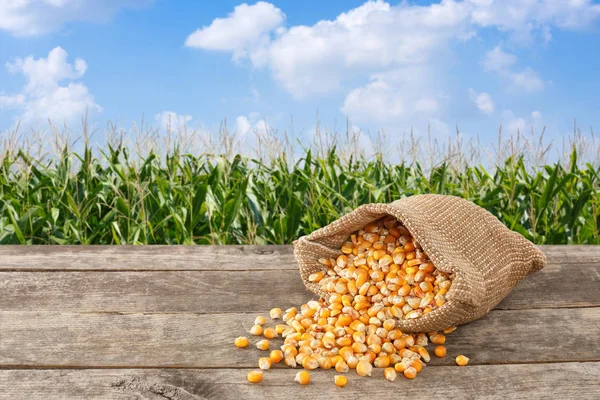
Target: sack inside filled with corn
428 261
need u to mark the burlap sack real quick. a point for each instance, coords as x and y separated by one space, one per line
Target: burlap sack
488 258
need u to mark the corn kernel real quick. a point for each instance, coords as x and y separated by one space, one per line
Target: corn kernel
303 377
276 356
440 351
262 344
275 313
462 360
364 368
241 341
269 333
259 320
256 330
437 338
410 373
340 380
390 374
264 363
255 376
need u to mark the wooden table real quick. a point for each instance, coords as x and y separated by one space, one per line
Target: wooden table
158 322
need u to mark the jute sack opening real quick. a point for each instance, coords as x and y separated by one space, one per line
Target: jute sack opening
488 259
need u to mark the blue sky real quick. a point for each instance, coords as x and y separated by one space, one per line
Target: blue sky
383 65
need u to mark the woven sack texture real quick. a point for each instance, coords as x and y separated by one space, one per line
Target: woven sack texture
489 259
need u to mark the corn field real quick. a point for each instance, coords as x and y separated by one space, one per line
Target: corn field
121 195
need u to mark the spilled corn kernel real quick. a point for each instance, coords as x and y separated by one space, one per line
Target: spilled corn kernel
462 360
241 341
340 380
303 377
255 376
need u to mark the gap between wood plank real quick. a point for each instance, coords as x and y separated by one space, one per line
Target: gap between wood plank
18 367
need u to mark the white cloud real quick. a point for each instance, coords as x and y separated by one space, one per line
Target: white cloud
245 28
378 38
45 95
395 95
527 79
170 120
483 101
526 19
498 60
38 17
503 64
247 127
513 124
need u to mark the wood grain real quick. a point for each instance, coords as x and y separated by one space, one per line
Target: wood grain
536 381
53 339
146 258
556 286
162 257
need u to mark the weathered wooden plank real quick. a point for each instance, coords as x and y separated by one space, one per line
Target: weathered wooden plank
572 254
555 286
152 257
540 381
160 257
174 291
190 340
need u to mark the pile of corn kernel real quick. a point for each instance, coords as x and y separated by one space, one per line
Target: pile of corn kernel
382 275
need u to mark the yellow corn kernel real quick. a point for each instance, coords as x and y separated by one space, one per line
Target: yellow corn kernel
389 374
260 320
396 310
394 334
290 361
449 330
255 376
342 261
241 341
424 354
340 380
389 324
364 368
426 287
276 356
341 366
399 344
264 363
437 338
346 352
310 363
269 333
280 328
404 290
382 362
408 247
375 348
263 345
416 364
352 361
303 377
289 350
388 347
359 347
344 320
410 373
440 351
344 341
275 313
347 247
324 362
256 330
462 360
